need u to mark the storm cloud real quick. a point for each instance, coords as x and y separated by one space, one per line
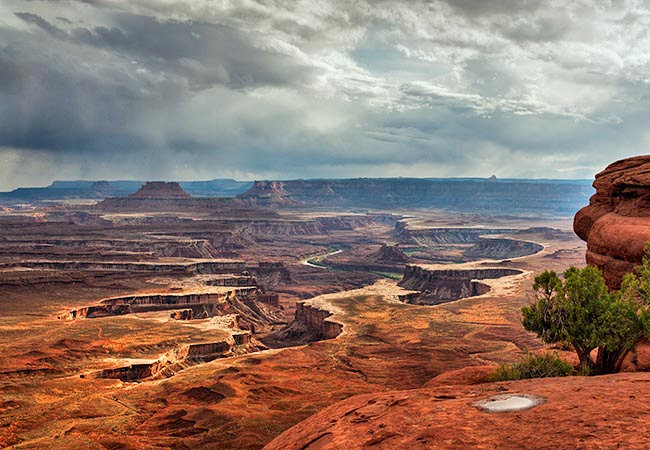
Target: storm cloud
164 89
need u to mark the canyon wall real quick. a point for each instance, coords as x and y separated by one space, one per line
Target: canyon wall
316 319
175 360
310 323
441 236
442 285
502 248
201 304
271 273
233 280
200 267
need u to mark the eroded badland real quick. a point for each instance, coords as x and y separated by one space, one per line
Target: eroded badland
158 319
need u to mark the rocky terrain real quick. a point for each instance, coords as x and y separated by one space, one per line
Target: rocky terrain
449 411
597 412
189 325
616 223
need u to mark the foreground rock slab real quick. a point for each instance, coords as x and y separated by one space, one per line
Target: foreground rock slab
580 412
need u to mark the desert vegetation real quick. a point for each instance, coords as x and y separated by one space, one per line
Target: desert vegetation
581 312
534 366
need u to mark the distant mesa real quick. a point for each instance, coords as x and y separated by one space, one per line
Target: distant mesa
161 196
268 193
161 190
84 189
616 224
444 283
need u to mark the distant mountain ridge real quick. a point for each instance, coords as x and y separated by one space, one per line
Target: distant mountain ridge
84 189
476 195
489 196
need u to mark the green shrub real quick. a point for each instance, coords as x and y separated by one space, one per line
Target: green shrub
535 366
581 311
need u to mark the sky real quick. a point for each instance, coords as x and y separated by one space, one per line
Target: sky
202 89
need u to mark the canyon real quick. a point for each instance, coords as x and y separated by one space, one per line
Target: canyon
454 409
166 319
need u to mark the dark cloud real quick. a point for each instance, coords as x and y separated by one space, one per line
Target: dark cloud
48 103
41 23
475 8
85 90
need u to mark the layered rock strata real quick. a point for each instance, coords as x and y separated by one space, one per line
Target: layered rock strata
175 360
242 301
501 248
317 320
216 266
443 284
311 323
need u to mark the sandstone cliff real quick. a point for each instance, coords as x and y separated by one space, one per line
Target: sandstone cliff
616 224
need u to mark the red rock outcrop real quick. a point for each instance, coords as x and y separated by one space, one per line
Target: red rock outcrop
238 300
616 224
605 412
